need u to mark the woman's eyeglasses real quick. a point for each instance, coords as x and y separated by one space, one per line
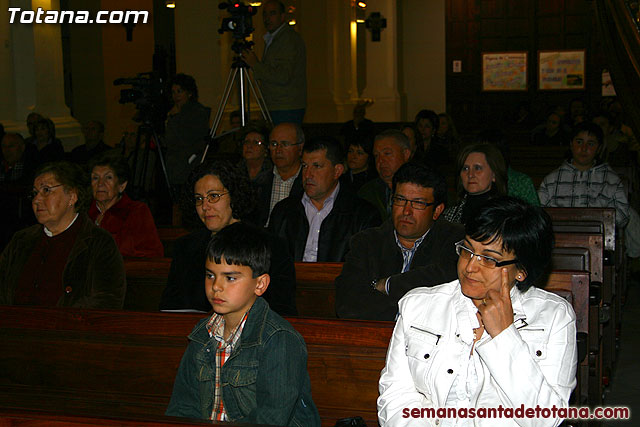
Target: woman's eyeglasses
44 191
211 198
485 261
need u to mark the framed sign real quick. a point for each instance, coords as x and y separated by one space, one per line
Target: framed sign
561 70
504 71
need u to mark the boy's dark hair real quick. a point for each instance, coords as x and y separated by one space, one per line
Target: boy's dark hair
423 176
241 244
524 229
335 154
590 128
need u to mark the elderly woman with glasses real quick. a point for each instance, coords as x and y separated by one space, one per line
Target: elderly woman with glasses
255 152
65 260
489 338
222 195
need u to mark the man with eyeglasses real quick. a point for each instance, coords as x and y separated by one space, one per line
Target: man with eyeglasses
285 146
412 249
319 223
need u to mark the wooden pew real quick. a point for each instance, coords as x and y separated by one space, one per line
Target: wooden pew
574 286
168 235
108 363
315 291
597 291
146 279
315 295
30 418
614 266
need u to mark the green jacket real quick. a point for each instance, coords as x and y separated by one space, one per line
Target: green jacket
93 277
264 381
283 71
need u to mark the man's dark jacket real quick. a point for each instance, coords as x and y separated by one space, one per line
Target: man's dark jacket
185 285
263 187
350 215
374 254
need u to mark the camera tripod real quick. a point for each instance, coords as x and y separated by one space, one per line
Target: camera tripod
239 68
140 175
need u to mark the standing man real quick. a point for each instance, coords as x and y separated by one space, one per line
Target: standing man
319 223
282 72
285 144
414 248
391 149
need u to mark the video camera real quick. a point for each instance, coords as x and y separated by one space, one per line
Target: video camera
239 23
147 93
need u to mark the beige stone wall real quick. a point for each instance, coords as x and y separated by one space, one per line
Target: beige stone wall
422 56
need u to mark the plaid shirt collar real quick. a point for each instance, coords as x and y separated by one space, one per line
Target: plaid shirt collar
215 327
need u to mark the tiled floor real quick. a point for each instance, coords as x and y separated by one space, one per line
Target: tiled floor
625 387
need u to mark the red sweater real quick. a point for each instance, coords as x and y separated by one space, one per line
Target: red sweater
131 224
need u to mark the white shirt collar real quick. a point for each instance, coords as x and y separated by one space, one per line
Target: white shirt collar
50 234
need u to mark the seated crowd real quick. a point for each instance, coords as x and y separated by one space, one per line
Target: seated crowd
458 278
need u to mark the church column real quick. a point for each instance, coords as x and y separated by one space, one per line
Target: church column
382 65
32 75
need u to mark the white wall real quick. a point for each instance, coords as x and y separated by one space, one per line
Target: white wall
422 56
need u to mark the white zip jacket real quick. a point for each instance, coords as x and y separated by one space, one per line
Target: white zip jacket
532 362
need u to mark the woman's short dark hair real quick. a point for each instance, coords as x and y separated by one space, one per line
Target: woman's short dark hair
73 178
524 229
241 193
241 244
48 123
188 83
494 159
115 161
423 176
429 115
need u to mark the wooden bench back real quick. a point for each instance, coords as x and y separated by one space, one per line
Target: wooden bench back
606 216
122 363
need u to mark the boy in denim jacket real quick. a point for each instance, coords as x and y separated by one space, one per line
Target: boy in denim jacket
245 363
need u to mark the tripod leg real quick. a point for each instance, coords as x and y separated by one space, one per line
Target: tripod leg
223 102
255 89
162 163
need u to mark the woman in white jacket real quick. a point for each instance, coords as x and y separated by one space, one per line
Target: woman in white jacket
488 339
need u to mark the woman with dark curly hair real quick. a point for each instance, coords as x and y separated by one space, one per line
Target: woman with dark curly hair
65 260
222 195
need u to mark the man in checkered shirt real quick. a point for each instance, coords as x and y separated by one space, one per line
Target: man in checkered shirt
583 181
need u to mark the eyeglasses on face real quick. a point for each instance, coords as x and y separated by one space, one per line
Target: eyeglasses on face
283 144
257 143
211 198
486 261
44 191
415 204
